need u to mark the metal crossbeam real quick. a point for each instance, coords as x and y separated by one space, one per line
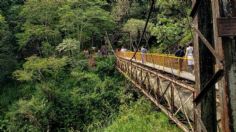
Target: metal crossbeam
208 86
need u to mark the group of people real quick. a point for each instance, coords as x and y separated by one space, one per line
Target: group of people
103 51
188 54
180 53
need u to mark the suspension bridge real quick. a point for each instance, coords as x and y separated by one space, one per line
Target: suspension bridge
165 80
203 101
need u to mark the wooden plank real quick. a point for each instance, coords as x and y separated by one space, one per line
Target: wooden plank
226 26
195 8
197 126
205 65
221 110
208 45
229 89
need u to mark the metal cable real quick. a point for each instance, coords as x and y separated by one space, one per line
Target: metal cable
145 27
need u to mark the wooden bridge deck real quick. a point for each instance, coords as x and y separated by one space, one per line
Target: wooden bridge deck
162 62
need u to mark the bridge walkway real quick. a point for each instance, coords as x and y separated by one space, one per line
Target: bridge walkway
171 91
164 62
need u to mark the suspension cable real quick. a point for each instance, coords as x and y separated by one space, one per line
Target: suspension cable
145 27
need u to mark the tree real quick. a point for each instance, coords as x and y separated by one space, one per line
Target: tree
36 68
39 27
6 4
68 45
172 23
83 24
121 9
135 28
7 58
53 21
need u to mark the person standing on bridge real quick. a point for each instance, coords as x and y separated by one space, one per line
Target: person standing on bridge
189 56
123 49
143 54
104 50
180 54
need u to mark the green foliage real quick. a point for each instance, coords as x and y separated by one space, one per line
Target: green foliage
105 67
188 36
121 9
169 33
54 89
35 68
31 113
7 60
47 49
141 117
53 21
68 45
138 9
6 4
124 9
69 100
172 23
39 26
37 34
135 27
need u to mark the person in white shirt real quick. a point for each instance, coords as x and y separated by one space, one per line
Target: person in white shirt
189 56
143 52
123 49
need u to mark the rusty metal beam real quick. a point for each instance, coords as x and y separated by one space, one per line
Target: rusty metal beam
183 104
172 98
208 86
163 94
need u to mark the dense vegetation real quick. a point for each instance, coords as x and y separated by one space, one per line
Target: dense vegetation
141 117
46 82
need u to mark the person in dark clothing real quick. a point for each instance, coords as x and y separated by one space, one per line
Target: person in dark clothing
104 50
180 54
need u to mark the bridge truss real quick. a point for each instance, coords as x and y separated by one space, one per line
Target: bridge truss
208 102
173 96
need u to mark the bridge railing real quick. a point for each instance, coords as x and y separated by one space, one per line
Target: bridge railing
165 60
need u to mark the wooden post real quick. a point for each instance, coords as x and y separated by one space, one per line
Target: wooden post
221 107
220 102
204 66
197 126
228 9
